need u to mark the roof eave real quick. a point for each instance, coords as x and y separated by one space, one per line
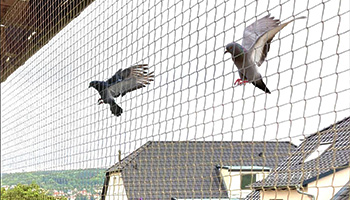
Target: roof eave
275 187
324 174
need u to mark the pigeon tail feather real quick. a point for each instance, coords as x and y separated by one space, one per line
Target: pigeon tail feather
115 109
261 85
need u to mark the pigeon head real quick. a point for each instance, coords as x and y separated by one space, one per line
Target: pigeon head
234 49
98 85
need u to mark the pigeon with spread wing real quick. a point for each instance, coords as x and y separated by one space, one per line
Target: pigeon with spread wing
120 83
256 44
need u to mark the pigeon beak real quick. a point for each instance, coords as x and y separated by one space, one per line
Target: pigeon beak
226 52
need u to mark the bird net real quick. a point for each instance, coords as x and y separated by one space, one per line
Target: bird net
138 99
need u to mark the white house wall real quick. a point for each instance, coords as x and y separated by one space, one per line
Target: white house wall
116 189
327 187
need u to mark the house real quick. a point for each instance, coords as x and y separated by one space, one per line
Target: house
343 193
318 169
193 170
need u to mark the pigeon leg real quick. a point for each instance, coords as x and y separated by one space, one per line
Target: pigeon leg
100 101
244 82
238 81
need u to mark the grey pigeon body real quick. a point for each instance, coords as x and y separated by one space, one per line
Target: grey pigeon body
252 53
121 83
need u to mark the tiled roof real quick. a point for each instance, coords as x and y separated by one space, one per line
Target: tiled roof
294 170
161 170
254 195
343 193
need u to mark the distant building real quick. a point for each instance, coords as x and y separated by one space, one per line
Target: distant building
193 170
58 193
319 168
97 196
72 197
6 187
83 192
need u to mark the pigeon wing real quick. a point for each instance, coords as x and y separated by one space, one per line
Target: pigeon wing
115 78
132 78
261 46
253 32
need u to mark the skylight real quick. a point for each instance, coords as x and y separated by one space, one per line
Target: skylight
317 152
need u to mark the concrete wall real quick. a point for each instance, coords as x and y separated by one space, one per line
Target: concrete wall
116 190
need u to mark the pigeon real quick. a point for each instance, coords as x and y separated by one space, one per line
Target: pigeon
256 44
120 83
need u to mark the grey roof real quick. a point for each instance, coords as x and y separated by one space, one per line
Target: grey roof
254 195
343 193
188 169
294 171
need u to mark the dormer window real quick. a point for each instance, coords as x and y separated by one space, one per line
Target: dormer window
237 179
318 151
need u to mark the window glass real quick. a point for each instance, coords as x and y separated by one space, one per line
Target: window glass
247 179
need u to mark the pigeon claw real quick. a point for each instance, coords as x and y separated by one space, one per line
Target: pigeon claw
100 101
240 82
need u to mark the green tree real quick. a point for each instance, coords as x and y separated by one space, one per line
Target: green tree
26 192
2 192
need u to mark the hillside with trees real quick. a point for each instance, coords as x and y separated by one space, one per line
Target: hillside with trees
31 191
63 180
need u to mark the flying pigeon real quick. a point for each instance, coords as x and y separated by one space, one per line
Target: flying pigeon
256 44
120 83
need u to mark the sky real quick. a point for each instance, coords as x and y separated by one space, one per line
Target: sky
50 119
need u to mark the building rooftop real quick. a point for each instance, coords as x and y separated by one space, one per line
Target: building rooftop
299 169
188 170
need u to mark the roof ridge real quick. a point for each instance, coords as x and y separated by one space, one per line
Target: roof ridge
131 156
329 127
296 161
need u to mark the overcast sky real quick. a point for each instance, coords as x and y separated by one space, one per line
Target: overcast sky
50 119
